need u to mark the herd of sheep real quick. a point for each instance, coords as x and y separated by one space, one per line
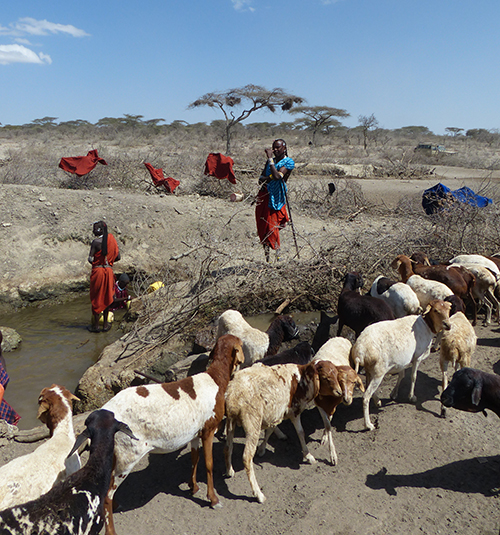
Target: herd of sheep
250 384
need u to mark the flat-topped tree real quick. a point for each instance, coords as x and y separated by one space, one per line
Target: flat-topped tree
318 118
249 97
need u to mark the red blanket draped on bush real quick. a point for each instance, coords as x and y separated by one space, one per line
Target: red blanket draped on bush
81 165
220 166
160 180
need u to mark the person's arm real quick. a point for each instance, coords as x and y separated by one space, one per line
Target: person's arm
277 174
2 390
95 246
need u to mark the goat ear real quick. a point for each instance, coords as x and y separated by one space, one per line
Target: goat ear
43 407
124 428
427 308
476 394
80 439
360 384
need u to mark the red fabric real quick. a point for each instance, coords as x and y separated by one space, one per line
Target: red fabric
102 279
159 180
81 165
220 166
269 221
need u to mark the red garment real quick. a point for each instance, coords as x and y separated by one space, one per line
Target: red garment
102 279
220 166
269 221
159 180
81 165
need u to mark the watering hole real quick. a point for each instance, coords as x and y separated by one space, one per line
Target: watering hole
57 348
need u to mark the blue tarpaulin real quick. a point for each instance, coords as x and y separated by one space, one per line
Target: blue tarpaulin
440 196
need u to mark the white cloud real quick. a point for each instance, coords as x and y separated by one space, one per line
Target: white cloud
243 5
21 54
30 26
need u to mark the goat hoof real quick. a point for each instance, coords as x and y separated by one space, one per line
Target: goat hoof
229 473
260 497
413 399
217 505
443 412
310 459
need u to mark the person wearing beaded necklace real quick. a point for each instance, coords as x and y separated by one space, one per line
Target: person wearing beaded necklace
270 210
103 254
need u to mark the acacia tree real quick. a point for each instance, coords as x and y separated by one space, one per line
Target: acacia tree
319 118
249 97
453 130
367 123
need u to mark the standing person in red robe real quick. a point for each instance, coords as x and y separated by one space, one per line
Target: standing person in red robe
270 211
103 254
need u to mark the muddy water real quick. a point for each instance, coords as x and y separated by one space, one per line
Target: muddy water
56 348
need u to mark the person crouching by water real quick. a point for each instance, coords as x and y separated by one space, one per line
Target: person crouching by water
121 299
103 254
7 413
270 211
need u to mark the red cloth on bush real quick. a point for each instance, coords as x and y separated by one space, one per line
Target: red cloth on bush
81 165
220 166
159 180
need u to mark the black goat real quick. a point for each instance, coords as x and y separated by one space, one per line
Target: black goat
322 334
472 390
76 505
358 311
301 354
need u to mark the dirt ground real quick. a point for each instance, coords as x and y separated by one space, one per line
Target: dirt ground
416 473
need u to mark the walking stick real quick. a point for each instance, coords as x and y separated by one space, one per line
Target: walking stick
291 221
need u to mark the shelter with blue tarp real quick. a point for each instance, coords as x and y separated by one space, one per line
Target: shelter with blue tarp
440 197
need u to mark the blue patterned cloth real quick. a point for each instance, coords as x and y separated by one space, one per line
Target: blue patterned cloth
277 188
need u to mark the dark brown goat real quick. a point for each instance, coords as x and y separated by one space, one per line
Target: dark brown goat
358 311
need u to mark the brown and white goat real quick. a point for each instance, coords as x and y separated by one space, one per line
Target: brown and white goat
165 417
261 397
336 351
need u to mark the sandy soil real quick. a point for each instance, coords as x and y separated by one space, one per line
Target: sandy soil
416 473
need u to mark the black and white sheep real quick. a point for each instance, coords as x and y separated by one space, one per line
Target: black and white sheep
74 506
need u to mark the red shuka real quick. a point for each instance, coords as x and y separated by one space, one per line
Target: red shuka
102 279
269 221
81 165
159 180
220 166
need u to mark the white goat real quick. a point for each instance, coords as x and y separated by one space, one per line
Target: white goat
426 290
165 417
336 350
28 477
256 343
476 259
457 346
398 295
392 346
261 397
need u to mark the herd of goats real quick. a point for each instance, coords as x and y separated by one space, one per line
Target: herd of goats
249 383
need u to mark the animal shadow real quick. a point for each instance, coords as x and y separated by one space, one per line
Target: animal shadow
470 476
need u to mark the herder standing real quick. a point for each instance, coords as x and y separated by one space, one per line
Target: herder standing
103 254
270 211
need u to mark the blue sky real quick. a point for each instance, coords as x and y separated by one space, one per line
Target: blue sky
426 63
